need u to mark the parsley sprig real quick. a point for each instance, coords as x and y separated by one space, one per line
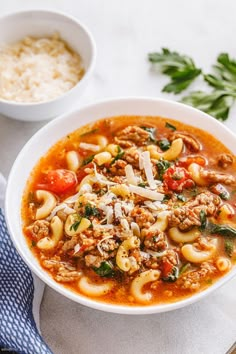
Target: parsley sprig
182 71
219 101
180 68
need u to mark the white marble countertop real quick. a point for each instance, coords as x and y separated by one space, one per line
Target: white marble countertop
125 31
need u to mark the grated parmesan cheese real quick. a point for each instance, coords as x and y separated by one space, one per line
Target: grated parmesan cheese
38 69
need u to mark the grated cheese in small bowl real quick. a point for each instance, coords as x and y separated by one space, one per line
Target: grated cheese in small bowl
38 69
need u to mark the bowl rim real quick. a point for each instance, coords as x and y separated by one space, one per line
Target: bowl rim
87 72
94 303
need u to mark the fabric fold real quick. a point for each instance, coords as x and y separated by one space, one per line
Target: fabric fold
18 331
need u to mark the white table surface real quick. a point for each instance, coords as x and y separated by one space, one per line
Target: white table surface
125 31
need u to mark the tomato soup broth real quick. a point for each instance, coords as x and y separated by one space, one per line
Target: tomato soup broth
133 210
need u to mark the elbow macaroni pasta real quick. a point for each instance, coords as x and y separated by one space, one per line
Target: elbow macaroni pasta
194 170
74 162
102 157
171 154
139 282
92 289
161 223
49 243
48 203
113 149
71 219
182 237
223 264
122 256
193 255
225 212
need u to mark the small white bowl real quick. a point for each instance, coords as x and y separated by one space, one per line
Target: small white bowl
38 23
55 130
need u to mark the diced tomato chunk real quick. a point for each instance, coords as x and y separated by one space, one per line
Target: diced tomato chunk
169 272
82 173
167 269
58 181
177 178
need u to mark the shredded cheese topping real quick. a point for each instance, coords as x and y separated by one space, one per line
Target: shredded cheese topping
38 69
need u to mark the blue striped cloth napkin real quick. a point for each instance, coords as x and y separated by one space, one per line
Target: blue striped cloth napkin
18 331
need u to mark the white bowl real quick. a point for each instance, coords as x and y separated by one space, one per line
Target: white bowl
58 128
16 26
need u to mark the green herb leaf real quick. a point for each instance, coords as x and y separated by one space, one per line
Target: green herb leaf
216 103
143 185
194 192
151 132
223 230
181 197
164 144
203 220
75 225
224 195
173 276
90 211
88 160
184 268
33 243
162 166
119 155
229 246
105 270
209 281
166 198
180 68
225 77
170 126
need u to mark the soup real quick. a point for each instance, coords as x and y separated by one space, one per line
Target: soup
133 210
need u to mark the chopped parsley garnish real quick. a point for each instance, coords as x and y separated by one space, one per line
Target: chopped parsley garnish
33 243
88 160
170 126
105 270
177 175
166 198
224 195
181 197
173 276
180 68
162 166
119 155
229 246
152 132
203 220
184 268
164 144
143 185
90 211
194 192
223 81
223 230
75 225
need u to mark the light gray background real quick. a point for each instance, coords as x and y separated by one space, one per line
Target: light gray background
125 31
